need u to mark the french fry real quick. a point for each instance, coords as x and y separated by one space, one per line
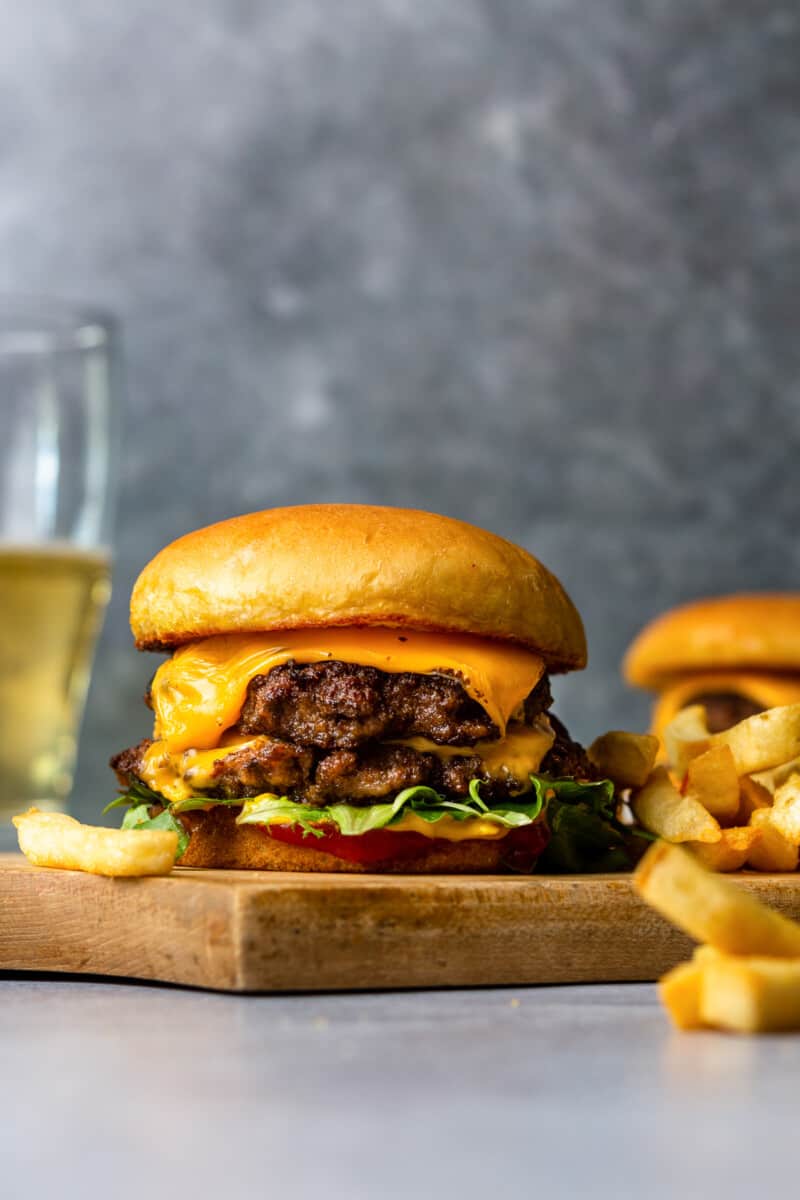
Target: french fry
731 852
755 994
753 796
686 737
679 992
661 808
785 811
710 908
711 778
749 995
626 758
762 741
704 953
56 840
775 777
771 851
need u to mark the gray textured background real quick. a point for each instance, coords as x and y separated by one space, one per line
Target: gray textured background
533 264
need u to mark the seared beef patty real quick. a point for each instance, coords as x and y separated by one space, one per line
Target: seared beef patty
358 776
271 767
323 724
724 709
127 764
566 759
338 706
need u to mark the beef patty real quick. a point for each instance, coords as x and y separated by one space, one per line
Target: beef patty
322 733
340 706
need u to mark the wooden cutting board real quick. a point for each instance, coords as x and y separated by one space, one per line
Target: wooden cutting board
247 931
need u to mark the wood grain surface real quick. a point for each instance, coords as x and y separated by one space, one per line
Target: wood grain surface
247 931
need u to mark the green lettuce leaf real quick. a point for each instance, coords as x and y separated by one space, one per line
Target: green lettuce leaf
139 817
352 820
585 835
137 793
194 802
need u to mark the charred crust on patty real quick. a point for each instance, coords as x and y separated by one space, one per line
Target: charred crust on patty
339 706
566 758
127 764
271 766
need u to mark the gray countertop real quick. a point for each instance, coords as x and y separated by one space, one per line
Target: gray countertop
121 1090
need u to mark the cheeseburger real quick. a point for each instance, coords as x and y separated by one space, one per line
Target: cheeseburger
736 655
355 688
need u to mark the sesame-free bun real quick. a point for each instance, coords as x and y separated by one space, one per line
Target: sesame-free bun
756 631
324 565
217 841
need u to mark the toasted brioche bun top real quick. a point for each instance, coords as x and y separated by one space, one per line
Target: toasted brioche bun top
759 631
323 565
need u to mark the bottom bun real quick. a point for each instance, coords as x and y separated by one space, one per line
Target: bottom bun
217 841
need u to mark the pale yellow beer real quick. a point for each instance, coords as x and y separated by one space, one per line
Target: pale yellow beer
52 599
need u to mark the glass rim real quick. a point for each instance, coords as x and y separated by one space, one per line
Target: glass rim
31 324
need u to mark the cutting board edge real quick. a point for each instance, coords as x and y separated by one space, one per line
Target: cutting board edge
248 932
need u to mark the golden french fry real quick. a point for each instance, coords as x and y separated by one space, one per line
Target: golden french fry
711 778
753 796
762 741
750 995
731 852
785 811
771 851
626 758
56 840
679 992
710 908
775 777
704 953
686 737
661 808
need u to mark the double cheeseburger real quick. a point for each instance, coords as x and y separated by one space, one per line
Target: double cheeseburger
737 655
354 688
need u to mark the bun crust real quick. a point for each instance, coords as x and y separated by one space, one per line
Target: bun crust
324 565
759 631
217 841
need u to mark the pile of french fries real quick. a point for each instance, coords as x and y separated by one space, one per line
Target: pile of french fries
745 978
732 797
50 839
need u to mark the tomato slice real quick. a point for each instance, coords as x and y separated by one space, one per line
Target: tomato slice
523 846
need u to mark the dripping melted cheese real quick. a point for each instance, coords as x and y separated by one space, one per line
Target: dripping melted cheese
516 756
199 692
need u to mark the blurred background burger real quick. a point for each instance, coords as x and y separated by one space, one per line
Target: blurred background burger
736 655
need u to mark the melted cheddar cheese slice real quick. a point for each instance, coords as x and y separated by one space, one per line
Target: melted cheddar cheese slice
446 828
181 776
199 692
516 756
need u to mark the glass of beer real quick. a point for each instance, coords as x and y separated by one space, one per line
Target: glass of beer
58 393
